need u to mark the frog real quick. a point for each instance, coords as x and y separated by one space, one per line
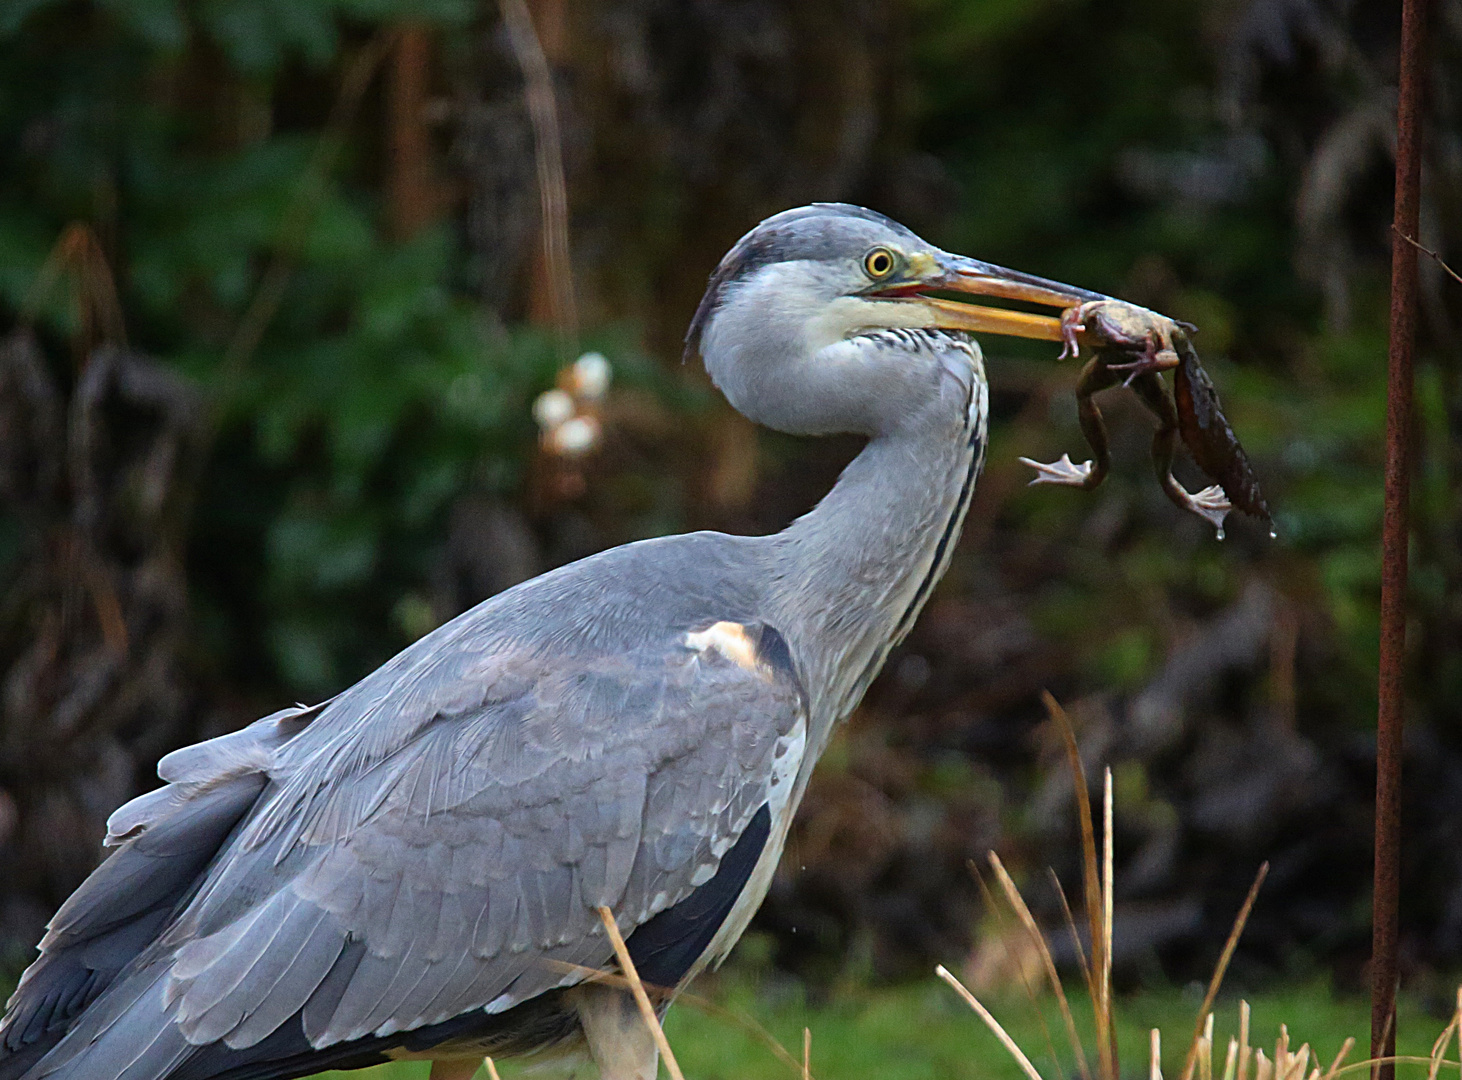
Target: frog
1133 346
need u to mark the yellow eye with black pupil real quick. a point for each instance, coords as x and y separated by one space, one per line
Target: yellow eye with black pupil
878 263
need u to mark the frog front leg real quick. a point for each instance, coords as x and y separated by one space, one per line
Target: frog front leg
1157 356
1122 326
1211 504
1095 376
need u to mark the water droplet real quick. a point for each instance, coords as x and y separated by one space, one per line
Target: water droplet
1274 534
1220 532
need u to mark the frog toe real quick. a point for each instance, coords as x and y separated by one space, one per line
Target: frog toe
1212 505
1064 471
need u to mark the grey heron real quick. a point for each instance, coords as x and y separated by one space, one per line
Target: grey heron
413 868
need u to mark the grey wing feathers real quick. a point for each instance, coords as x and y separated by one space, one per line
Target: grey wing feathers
167 838
203 767
438 844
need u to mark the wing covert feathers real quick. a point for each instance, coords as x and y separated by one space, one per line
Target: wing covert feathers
435 840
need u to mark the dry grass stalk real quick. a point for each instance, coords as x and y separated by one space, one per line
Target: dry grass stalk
1245 1051
605 978
994 1025
1384 1040
747 1024
1398 1059
491 1069
642 999
1016 963
1106 1032
1439 1048
542 105
1098 975
1027 920
1282 1054
1345 1048
1214 983
1071 926
1301 1064
806 1053
695 1001
1295 1064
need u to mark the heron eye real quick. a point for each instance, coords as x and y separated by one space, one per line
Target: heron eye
878 263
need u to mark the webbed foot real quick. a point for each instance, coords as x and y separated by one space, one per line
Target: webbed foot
1211 504
1064 471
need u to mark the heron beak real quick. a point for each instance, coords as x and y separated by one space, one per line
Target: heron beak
944 272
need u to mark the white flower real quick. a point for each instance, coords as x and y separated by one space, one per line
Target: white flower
591 376
553 408
574 436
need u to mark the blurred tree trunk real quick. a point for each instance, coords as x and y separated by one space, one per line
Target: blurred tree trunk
414 197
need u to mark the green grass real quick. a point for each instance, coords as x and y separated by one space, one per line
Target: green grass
922 1031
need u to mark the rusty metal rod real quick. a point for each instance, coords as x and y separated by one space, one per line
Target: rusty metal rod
1395 537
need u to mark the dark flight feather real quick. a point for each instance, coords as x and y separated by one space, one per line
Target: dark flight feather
668 945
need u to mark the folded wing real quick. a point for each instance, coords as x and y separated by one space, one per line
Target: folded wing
434 841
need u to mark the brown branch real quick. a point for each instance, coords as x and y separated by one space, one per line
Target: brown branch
548 155
1428 251
1395 541
94 290
412 196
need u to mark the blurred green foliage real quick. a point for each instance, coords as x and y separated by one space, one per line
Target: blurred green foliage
360 386
1044 110
377 391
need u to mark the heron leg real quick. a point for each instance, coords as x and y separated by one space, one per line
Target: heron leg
1211 504
1096 375
455 1068
619 1042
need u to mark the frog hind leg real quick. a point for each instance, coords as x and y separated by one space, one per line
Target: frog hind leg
1095 376
1211 504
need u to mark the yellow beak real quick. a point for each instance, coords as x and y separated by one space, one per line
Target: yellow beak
945 272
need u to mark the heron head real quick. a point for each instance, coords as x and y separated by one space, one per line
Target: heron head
789 325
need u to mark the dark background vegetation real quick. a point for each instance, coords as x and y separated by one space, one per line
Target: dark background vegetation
265 418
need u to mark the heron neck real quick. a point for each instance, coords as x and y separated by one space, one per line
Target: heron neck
855 571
